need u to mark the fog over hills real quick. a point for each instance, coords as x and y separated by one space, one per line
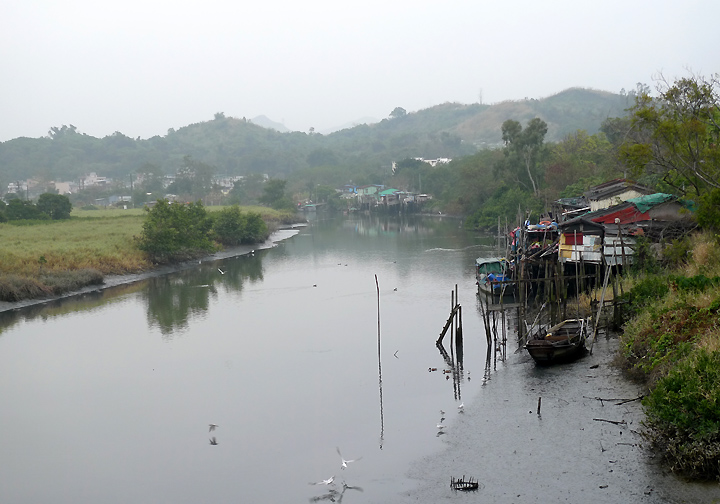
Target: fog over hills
233 145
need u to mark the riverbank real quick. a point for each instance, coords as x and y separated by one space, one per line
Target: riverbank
116 280
48 259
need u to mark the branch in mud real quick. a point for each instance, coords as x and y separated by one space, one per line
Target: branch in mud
622 401
621 422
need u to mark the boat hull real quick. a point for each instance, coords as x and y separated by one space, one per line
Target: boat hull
564 342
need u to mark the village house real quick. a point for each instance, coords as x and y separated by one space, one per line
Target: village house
613 193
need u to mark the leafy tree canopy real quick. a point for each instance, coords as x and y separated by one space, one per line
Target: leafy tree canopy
524 150
233 227
175 232
676 136
398 112
274 195
56 206
18 209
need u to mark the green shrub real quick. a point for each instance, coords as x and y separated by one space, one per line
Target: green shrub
683 415
677 252
645 260
708 212
233 227
18 209
55 206
175 232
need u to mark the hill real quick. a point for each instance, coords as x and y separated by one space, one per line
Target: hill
237 146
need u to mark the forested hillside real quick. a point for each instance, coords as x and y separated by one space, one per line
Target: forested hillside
236 146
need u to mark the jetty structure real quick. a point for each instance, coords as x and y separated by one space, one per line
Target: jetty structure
581 245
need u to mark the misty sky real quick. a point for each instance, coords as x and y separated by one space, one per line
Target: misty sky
143 66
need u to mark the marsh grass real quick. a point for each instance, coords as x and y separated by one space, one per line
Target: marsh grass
104 244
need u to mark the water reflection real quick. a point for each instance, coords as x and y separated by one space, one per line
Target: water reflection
88 301
454 360
334 495
174 300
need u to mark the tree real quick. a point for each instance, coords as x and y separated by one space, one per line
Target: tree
398 112
18 209
194 178
55 206
274 194
524 150
676 137
176 232
233 227
578 157
322 157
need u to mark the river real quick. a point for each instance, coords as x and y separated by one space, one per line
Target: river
108 397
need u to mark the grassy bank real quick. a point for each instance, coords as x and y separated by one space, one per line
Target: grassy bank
672 342
45 258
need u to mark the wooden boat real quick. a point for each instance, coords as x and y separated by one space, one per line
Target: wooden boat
492 276
561 343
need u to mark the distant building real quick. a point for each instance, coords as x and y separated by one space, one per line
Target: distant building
93 180
434 162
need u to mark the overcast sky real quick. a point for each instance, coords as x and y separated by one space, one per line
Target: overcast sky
143 66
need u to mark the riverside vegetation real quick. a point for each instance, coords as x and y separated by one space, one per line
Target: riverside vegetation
671 341
42 258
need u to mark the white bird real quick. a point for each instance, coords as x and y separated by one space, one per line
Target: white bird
325 481
212 427
213 441
344 463
461 407
441 426
221 271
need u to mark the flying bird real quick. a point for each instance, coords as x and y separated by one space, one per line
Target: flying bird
344 463
213 441
328 481
212 427
221 271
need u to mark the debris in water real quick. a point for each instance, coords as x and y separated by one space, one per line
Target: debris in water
463 484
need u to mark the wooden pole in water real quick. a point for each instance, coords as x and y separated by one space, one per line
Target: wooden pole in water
382 421
452 327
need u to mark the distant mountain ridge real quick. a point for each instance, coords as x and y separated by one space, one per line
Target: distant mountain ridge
261 145
265 122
